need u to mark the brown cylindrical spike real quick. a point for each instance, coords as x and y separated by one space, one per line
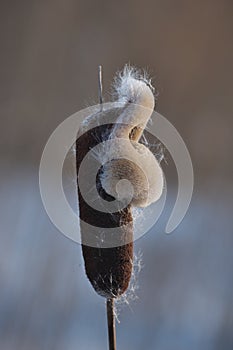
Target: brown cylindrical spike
108 269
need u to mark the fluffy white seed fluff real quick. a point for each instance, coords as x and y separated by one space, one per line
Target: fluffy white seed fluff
135 91
137 164
132 161
125 158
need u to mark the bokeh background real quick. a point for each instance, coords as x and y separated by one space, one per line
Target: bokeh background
50 51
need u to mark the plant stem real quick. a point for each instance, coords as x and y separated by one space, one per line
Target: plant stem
111 324
100 87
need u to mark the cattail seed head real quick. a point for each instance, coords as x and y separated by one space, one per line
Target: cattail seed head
129 173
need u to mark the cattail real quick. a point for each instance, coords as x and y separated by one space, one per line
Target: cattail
121 163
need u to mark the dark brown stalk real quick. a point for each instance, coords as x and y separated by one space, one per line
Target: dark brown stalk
111 324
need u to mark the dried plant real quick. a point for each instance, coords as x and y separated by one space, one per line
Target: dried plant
109 269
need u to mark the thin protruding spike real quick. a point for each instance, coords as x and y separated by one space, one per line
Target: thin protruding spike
100 86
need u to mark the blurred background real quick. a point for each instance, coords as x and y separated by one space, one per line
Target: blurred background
50 51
